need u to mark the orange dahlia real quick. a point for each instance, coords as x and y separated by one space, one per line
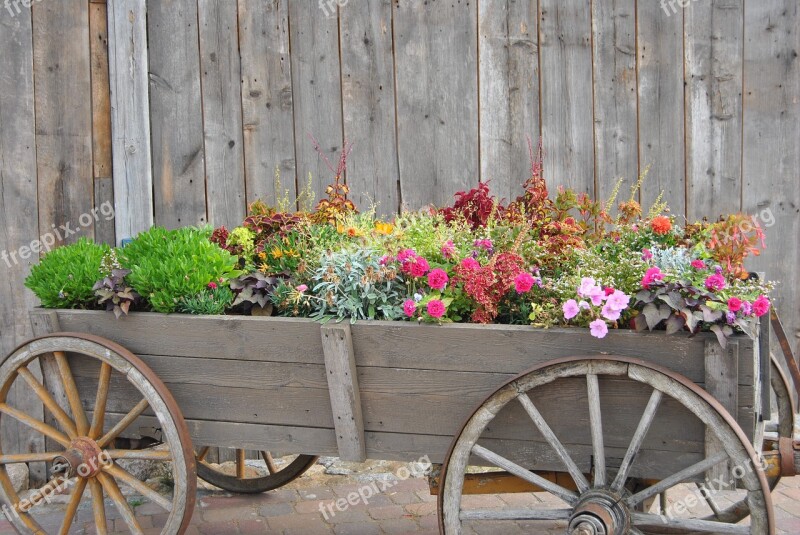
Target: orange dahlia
661 225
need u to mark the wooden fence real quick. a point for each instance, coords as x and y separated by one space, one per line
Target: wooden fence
180 112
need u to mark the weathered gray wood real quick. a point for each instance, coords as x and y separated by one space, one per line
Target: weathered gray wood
596 426
101 99
368 101
267 99
176 121
508 72
713 42
317 92
721 374
437 100
615 99
340 365
565 40
104 227
638 439
765 375
130 117
661 106
222 111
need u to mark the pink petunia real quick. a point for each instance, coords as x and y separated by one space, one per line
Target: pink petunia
587 284
734 304
598 328
419 267
610 313
698 264
410 308
437 279
470 263
618 301
584 305
571 309
715 282
651 275
523 282
597 296
436 308
761 306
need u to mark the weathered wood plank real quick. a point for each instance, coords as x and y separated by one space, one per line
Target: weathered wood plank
713 43
615 100
222 111
130 117
508 39
317 90
101 96
104 226
722 370
176 122
368 101
565 39
267 100
661 109
340 365
62 75
437 100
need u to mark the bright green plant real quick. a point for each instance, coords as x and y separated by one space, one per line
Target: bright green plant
169 265
66 276
211 301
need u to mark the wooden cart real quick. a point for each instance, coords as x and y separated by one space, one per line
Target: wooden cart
604 426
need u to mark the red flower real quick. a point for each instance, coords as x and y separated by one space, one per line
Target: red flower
734 304
661 225
212 285
437 279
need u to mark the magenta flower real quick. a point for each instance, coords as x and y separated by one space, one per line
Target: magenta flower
734 304
410 308
610 313
715 282
437 279
698 264
598 328
618 301
647 254
761 306
597 296
571 309
523 282
406 254
302 288
436 308
448 249
470 263
651 275
212 285
419 267
484 244
747 308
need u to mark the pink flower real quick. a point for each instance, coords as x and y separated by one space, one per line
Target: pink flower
598 328
212 285
597 295
584 305
436 308
419 267
405 254
302 288
715 282
484 244
734 304
437 279
761 306
448 249
571 309
610 313
384 260
410 308
470 263
698 264
523 282
587 284
651 275
646 254
747 308
618 301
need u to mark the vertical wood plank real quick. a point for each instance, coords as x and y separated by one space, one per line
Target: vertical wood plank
661 110
175 113
63 117
130 117
266 97
222 111
369 104
714 108
771 153
317 89
437 99
101 98
722 382
508 38
565 35
104 227
615 101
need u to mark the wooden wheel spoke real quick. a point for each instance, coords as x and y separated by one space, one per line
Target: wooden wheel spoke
676 478
535 479
41 392
72 507
35 424
29 458
552 439
709 499
645 520
126 477
71 390
98 418
516 514
98 507
267 456
123 424
145 455
637 440
201 457
240 463
112 489
596 424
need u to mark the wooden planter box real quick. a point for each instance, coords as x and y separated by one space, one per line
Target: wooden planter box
265 383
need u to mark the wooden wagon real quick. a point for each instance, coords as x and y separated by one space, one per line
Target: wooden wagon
604 426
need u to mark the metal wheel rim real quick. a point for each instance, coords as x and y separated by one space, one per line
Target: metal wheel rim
254 485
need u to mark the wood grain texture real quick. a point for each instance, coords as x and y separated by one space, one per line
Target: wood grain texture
437 99
267 98
508 38
221 75
661 109
317 90
722 370
565 38
368 101
104 227
101 96
176 120
713 51
771 189
615 99
130 117
62 75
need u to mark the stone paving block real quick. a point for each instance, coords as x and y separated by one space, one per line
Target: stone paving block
357 529
275 509
219 528
404 498
421 509
220 513
387 512
278 524
399 525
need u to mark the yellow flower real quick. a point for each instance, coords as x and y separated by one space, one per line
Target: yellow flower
262 256
276 253
384 228
340 228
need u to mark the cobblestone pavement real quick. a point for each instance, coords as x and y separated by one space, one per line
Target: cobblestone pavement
407 507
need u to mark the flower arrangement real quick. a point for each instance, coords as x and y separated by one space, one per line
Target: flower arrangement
540 260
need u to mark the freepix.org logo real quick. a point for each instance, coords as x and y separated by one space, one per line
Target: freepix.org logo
14 7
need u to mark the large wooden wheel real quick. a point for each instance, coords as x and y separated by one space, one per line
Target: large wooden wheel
601 503
244 479
81 451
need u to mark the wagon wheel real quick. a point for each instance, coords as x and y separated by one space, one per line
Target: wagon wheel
246 480
601 504
81 444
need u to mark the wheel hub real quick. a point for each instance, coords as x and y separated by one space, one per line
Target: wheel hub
83 459
599 513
